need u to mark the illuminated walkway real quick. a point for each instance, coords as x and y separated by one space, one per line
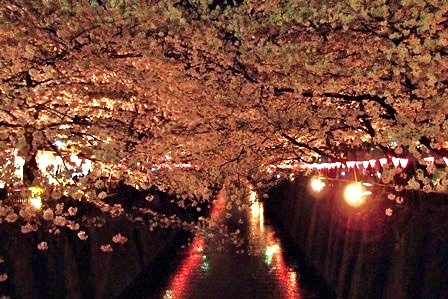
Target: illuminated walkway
257 269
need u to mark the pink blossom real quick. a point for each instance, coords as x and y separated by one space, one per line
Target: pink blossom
106 248
72 225
42 246
48 214
102 195
60 220
119 238
82 235
72 211
27 228
11 217
59 208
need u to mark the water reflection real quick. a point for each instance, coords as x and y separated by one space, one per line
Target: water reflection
181 279
258 269
260 238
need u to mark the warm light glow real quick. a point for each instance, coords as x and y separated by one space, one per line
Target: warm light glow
18 163
355 194
317 184
252 195
269 253
36 202
58 143
404 162
75 159
36 191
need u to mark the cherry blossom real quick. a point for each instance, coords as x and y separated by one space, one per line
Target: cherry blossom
82 235
72 211
106 248
42 246
72 225
119 238
60 221
188 100
48 214
27 228
11 217
3 277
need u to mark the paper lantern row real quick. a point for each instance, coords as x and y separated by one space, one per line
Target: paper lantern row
397 162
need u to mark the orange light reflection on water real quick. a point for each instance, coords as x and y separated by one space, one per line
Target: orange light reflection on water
287 278
180 281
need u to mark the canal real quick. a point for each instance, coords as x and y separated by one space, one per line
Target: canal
253 261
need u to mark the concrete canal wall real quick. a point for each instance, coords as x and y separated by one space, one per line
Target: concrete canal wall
363 253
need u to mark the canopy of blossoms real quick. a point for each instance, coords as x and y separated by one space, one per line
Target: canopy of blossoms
225 87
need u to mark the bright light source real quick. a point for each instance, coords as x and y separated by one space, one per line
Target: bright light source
354 194
343 173
269 253
36 191
18 164
317 184
75 159
36 202
58 143
272 249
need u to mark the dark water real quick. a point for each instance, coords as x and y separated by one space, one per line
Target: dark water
260 267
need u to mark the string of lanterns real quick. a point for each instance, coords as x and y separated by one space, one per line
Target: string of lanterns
397 162
355 193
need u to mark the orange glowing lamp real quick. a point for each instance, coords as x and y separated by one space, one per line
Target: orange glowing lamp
355 194
317 184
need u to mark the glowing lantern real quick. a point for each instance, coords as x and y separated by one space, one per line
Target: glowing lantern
354 194
317 184
36 202
351 164
18 163
383 161
404 162
446 160
365 164
372 163
395 161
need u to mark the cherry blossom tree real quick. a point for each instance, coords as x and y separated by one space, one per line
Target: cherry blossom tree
228 86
